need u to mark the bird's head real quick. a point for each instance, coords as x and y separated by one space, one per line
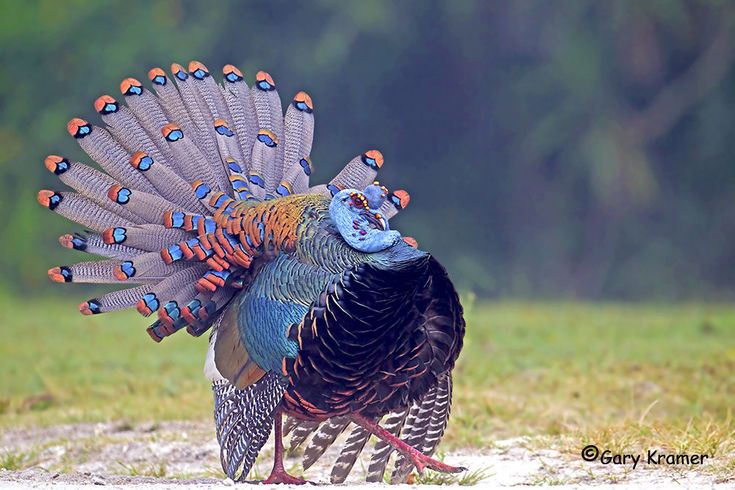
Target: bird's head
356 216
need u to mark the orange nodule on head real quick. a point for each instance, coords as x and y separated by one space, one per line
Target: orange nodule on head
74 125
304 98
403 197
375 155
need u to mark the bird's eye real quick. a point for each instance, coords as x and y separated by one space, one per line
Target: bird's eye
358 201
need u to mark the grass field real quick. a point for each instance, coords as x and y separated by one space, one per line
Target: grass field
621 376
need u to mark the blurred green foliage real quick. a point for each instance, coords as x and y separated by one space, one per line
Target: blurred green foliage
568 148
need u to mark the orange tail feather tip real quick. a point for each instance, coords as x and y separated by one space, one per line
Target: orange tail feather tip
56 164
400 198
67 241
49 199
179 71
203 285
105 105
152 332
124 271
302 101
90 307
157 76
119 194
78 128
172 132
131 86
231 73
264 81
141 160
411 241
373 159
198 70
168 221
142 308
60 274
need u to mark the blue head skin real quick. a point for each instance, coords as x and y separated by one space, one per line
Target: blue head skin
358 224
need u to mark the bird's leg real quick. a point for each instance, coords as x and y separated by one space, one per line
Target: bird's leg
278 473
420 460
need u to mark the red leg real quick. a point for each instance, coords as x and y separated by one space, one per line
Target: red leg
419 459
278 474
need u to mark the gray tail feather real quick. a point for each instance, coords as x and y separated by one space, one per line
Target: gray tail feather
350 451
324 437
425 424
243 421
301 432
421 425
383 450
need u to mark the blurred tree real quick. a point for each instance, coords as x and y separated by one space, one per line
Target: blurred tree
551 148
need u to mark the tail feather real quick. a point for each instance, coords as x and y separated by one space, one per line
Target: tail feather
168 184
227 143
269 114
299 134
202 123
88 182
397 200
173 107
81 209
101 147
116 300
150 115
239 101
360 171
350 451
383 450
128 131
324 437
178 161
94 272
94 244
263 158
301 432
149 237
148 207
194 164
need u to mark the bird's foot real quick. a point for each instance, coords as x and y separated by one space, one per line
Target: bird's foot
421 461
279 475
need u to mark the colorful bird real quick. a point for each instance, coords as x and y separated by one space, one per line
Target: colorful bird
318 310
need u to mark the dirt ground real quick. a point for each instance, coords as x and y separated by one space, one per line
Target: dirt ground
175 454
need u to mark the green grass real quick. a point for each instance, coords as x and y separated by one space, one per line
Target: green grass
623 376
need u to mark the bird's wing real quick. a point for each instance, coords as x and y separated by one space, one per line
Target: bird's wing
247 346
421 421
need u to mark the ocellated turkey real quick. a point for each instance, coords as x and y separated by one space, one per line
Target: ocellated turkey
317 309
